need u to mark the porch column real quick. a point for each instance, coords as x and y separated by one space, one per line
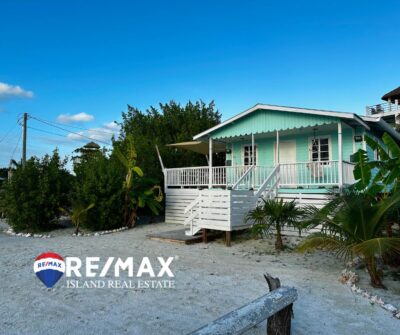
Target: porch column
340 155
277 147
252 149
210 151
253 163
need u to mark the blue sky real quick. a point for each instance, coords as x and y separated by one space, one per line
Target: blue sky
92 58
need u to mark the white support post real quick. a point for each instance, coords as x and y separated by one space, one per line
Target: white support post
253 163
340 155
397 115
277 147
210 174
163 169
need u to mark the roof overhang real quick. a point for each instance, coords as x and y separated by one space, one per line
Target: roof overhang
349 117
383 125
199 146
392 95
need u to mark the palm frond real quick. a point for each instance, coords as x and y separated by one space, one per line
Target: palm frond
322 241
378 246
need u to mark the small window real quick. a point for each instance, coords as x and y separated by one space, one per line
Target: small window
320 148
248 155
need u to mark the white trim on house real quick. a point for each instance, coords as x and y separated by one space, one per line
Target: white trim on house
341 115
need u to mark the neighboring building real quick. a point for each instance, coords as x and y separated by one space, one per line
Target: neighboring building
271 151
388 110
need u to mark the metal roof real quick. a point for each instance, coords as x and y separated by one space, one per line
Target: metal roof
351 117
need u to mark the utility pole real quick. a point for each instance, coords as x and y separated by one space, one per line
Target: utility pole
24 138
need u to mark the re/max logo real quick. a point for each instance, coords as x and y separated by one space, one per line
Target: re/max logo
73 267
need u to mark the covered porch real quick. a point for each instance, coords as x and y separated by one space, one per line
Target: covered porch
314 157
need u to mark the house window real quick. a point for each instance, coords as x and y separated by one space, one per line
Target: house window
248 155
320 148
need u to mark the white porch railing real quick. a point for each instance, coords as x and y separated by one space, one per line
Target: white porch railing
384 107
324 173
199 176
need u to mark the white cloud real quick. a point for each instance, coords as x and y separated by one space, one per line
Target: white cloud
75 137
112 126
103 133
80 117
10 91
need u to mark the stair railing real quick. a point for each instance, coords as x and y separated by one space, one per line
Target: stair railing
270 184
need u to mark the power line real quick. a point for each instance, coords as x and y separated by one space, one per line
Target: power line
15 149
45 131
70 126
9 132
69 131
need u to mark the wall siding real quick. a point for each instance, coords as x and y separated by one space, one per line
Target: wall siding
264 121
265 147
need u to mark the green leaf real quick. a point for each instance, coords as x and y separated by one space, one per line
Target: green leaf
362 171
378 246
138 171
392 145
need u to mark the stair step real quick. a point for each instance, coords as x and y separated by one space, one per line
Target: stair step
193 231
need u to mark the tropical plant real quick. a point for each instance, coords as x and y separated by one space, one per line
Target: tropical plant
36 191
274 215
138 191
353 225
376 176
168 123
78 214
98 181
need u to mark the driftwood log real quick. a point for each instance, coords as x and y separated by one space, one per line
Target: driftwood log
280 322
255 312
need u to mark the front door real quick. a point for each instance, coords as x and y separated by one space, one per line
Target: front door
287 160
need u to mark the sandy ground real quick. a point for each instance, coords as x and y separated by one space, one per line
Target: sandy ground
210 280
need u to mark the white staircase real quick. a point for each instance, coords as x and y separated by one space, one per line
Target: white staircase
192 208
269 188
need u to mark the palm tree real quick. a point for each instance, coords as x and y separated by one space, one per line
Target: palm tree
274 214
78 214
353 225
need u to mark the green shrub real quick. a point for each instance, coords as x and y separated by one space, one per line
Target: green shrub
36 192
99 181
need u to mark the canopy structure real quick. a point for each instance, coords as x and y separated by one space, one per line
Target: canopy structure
199 146
392 95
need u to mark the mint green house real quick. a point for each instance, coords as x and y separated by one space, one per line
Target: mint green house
271 151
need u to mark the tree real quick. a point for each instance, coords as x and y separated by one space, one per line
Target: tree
98 181
138 191
36 192
170 123
274 214
352 225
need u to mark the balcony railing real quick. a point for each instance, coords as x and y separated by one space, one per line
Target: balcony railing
382 108
302 174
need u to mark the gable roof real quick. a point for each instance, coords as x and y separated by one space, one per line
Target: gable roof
346 116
